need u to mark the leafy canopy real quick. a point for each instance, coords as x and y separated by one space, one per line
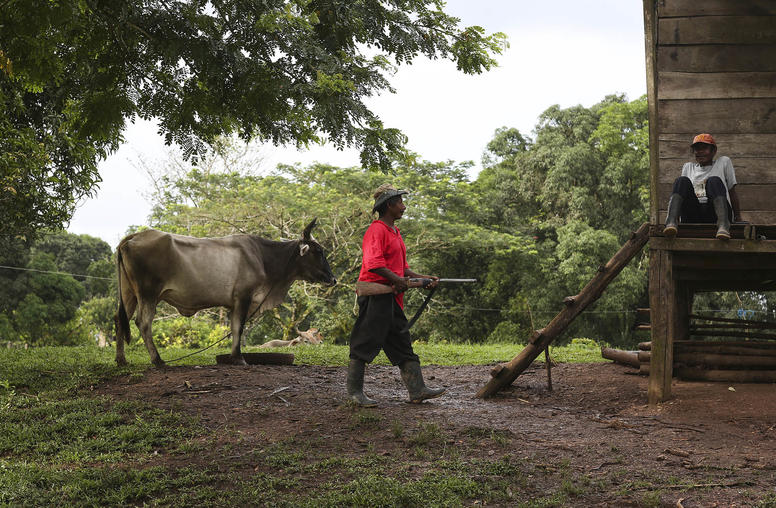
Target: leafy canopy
72 72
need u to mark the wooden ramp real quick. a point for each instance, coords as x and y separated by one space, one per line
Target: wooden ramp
504 374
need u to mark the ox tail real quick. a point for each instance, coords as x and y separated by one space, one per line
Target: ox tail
121 319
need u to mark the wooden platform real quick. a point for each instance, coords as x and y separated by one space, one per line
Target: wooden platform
692 262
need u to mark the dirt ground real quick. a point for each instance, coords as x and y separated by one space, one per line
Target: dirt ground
713 444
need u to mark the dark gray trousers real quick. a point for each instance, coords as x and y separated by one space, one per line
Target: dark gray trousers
379 326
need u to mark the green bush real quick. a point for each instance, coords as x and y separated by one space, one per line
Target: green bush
198 331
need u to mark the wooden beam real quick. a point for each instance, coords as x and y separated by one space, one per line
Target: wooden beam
726 115
650 45
712 245
716 85
753 216
676 8
736 146
749 170
505 374
663 303
716 30
717 58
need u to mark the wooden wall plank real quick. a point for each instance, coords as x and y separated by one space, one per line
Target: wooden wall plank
753 216
650 44
717 30
713 85
727 248
748 170
669 8
752 197
718 115
716 58
677 145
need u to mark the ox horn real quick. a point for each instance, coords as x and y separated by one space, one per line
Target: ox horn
308 229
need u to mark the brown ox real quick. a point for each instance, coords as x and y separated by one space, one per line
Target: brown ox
244 273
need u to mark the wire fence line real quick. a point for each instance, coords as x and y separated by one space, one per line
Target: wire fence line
20 269
448 310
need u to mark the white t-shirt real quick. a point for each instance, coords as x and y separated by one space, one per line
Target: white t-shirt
722 167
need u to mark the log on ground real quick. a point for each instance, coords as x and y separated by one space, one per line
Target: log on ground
629 358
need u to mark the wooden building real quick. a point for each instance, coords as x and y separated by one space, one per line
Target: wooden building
711 67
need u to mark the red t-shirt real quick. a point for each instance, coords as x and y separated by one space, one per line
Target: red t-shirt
383 247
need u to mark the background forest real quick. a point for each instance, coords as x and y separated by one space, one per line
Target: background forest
532 227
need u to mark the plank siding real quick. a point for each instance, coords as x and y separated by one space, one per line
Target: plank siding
751 197
718 115
727 85
717 30
735 146
717 58
683 8
753 216
748 170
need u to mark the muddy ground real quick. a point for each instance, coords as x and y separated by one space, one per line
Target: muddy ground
713 444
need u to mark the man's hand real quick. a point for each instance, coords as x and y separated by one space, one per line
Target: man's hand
434 281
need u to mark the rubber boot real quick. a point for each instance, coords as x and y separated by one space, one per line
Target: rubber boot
413 380
674 212
723 219
355 384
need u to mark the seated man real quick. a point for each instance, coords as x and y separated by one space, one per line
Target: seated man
706 191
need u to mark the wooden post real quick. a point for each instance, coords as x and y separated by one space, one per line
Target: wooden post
664 302
548 365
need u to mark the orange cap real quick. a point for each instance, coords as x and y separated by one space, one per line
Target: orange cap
703 138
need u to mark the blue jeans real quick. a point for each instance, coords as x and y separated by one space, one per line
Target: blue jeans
693 211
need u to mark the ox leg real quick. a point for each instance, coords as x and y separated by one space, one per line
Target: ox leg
239 314
122 326
121 360
145 316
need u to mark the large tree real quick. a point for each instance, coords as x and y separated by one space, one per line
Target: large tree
72 72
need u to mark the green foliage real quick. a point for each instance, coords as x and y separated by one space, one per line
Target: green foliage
187 332
45 314
72 73
97 314
577 191
54 276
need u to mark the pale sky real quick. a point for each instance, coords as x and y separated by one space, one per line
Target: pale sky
562 52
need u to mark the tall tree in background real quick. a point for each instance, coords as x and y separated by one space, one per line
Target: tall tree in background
39 301
72 72
578 189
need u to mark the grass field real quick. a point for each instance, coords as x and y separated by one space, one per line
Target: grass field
62 445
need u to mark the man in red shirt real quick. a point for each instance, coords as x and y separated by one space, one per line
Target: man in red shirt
381 318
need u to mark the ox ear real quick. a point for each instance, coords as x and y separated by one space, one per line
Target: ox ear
308 230
303 249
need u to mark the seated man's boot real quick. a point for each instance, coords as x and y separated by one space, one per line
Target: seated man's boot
723 219
674 212
355 384
413 380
